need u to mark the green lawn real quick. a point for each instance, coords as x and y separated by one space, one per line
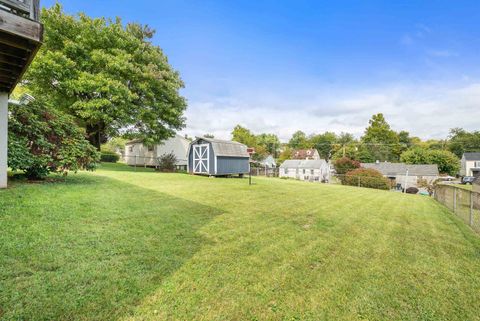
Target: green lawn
123 245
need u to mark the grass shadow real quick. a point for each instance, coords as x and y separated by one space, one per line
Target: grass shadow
91 248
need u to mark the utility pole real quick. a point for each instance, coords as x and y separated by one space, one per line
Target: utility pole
406 180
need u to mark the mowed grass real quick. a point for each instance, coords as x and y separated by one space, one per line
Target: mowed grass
124 245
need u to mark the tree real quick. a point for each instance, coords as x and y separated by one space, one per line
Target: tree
42 139
446 161
345 138
284 155
324 144
245 136
345 164
462 141
415 155
270 143
109 76
405 140
380 140
299 140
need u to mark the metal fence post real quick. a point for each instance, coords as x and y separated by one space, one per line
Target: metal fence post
471 208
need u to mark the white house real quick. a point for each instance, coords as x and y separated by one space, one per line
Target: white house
306 170
406 175
137 154
470 164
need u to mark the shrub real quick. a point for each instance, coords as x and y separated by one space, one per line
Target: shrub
411 190
345 164
43 140
166 162
109 157
446 161
366 177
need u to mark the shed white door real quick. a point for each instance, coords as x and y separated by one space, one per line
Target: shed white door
201 162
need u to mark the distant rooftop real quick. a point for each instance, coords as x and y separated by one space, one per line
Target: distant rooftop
394 169
472 156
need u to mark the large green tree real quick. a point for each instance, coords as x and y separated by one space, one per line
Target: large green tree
244 135
299 140
446 161
324 143
270 143
108 75
380 140
462 141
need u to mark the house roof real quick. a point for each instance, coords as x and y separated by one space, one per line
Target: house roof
472 156
226 147
303 153
305 163
401 169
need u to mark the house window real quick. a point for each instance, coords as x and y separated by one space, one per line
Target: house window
476 164
296 171
311 171
130 149
285 171
304 171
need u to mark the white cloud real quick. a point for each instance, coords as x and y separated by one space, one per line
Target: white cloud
428 112
442 53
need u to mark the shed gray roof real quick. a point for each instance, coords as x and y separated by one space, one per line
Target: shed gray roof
303 163
226 147
472 156
401 169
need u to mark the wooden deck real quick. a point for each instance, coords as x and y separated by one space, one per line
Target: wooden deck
20 38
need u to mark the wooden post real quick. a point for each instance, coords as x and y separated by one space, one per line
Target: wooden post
358 181
471 208
454 200
3 138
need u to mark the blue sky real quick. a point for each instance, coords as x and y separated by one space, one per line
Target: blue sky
280 66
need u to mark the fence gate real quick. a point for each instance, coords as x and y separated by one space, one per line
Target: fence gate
201 159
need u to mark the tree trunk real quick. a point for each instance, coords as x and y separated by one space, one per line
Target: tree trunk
96 134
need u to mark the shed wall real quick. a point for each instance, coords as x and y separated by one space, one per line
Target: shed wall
232 165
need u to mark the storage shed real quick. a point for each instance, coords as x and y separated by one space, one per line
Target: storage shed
215 157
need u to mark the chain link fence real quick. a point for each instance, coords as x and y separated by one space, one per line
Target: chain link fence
155 162
264 171
464 203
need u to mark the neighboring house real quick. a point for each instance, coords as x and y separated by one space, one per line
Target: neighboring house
306 170
470 164
268 162
306 154
215 157
136 153
405 174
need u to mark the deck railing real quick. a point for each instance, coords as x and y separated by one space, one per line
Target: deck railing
25 8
